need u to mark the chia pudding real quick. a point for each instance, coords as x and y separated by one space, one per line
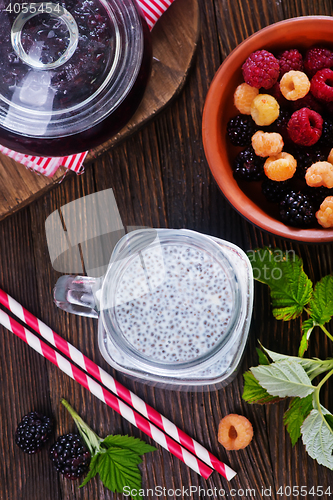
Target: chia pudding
174 303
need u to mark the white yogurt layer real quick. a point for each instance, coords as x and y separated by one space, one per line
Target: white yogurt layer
173 303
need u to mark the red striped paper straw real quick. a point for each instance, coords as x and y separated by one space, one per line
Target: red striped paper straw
107 397
108 381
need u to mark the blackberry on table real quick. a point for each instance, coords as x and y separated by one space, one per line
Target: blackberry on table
70 456
248 166
33 431
274 191
240 129
297 210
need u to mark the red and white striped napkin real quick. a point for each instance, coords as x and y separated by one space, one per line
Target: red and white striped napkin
152 10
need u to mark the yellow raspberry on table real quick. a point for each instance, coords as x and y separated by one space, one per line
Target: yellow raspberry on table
243 97
294 85
325 213
235 432
267 143
280 167
264 109
320 174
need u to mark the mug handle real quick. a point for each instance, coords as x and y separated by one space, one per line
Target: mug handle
78 295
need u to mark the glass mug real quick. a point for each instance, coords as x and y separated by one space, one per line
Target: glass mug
73 73
174 307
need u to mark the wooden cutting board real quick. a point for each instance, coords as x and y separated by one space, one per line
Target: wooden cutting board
175 37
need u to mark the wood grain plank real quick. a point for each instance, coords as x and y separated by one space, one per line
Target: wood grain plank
160 178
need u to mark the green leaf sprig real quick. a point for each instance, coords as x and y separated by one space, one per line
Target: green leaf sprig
292 291
115 458
279 376
290 376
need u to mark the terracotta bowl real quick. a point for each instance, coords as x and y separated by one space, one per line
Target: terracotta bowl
246 197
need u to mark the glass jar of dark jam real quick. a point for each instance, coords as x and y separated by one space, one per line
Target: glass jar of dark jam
72 73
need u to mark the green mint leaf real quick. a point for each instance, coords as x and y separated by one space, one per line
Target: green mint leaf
290 287
254 393
321 304
313 367
263 360
93 470
128 442
299 409
88 435
114 458
307 327
303 346
117 469
275 356
284 379
317 436
329 420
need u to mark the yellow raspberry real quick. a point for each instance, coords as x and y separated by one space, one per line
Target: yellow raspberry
325 212
330 157
243 97
267 143
280 167
235 432
294 85
264 109
320 174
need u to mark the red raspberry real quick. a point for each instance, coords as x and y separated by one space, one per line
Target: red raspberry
322 85
290 60
305 126
316 59
307 102
261 69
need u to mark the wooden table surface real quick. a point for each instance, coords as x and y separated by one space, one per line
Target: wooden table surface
160 178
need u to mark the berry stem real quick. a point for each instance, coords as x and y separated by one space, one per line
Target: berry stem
88 435
326 332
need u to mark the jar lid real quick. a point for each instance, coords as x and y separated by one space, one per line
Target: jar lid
66 66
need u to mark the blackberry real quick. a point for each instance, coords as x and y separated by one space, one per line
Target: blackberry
33 431
248 166
297 210
326 138
280 124
305 157
317 195
240 129
70 456
274 191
